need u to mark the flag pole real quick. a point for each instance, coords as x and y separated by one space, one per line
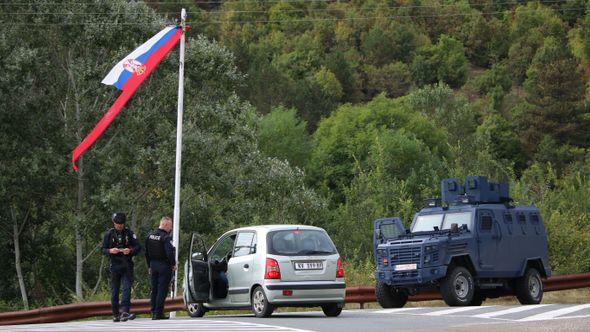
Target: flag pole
176 217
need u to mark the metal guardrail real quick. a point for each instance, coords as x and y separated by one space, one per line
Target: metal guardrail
361 295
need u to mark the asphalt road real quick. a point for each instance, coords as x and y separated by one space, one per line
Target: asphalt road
544 317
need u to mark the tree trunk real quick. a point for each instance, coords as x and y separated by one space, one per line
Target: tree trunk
17 263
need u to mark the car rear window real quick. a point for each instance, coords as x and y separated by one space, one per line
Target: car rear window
297 242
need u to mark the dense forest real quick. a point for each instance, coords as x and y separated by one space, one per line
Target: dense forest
328 113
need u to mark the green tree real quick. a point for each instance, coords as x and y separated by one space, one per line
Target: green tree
496 76
499 136
444 62
530 25
555 90
394 79
343 141
284 136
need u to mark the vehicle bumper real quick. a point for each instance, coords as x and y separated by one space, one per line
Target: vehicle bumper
315 292
412 277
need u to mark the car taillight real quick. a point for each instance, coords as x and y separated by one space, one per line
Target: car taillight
339 269
272 269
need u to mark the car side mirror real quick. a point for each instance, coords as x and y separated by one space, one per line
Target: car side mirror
198 256
454 228
253 249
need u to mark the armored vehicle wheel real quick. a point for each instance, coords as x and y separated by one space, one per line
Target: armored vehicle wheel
529 288
331 310
457 287
477 300
196 310
388 297
260 305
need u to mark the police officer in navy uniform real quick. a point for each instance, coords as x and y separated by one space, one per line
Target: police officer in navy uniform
120 244
161 259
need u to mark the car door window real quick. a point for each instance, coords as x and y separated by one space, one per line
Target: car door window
223 249
244 244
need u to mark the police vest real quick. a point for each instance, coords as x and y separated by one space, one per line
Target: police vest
119 239
155 245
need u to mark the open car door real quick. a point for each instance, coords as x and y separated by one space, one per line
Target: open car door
387 229
198 276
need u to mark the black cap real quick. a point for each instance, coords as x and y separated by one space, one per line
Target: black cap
119 218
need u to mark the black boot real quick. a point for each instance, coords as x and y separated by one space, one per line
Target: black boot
159 315
116 318
127 316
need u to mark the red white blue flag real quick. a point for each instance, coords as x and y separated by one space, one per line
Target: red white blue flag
127 76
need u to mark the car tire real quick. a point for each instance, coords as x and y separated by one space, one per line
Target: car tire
260 306
529 288
388 297
458 288
196 310
332 310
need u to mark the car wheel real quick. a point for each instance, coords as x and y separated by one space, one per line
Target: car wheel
260 305
196 310
529 288
332 310
389 297
457 288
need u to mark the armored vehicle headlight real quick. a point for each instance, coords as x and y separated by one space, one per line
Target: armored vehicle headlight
431 248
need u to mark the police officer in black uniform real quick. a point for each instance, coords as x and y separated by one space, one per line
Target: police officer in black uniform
161 260
120 244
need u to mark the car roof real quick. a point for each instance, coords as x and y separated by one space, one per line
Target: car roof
269 228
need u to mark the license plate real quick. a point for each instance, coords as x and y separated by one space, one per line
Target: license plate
309 265
405 267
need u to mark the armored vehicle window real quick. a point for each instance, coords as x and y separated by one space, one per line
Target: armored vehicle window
295 242
534 218
486 223
507 218
426 223
461 218
389 231
521 218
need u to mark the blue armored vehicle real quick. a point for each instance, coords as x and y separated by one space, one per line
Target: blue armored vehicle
470 245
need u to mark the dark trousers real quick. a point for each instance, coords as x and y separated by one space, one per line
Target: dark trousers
161 276
121 276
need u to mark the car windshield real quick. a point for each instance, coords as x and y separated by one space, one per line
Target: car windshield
296 242
426 223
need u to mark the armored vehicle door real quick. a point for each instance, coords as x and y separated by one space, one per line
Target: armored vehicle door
197 272
387 229
489 237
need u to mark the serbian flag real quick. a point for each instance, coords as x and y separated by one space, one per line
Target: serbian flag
127 76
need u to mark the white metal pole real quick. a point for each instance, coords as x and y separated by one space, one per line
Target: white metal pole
176 218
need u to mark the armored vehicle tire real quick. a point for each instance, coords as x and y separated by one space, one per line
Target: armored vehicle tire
331 310
260 305
458 288
388 297
529 288
477 300
196 310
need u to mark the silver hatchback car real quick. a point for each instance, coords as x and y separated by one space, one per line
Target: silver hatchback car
264 267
